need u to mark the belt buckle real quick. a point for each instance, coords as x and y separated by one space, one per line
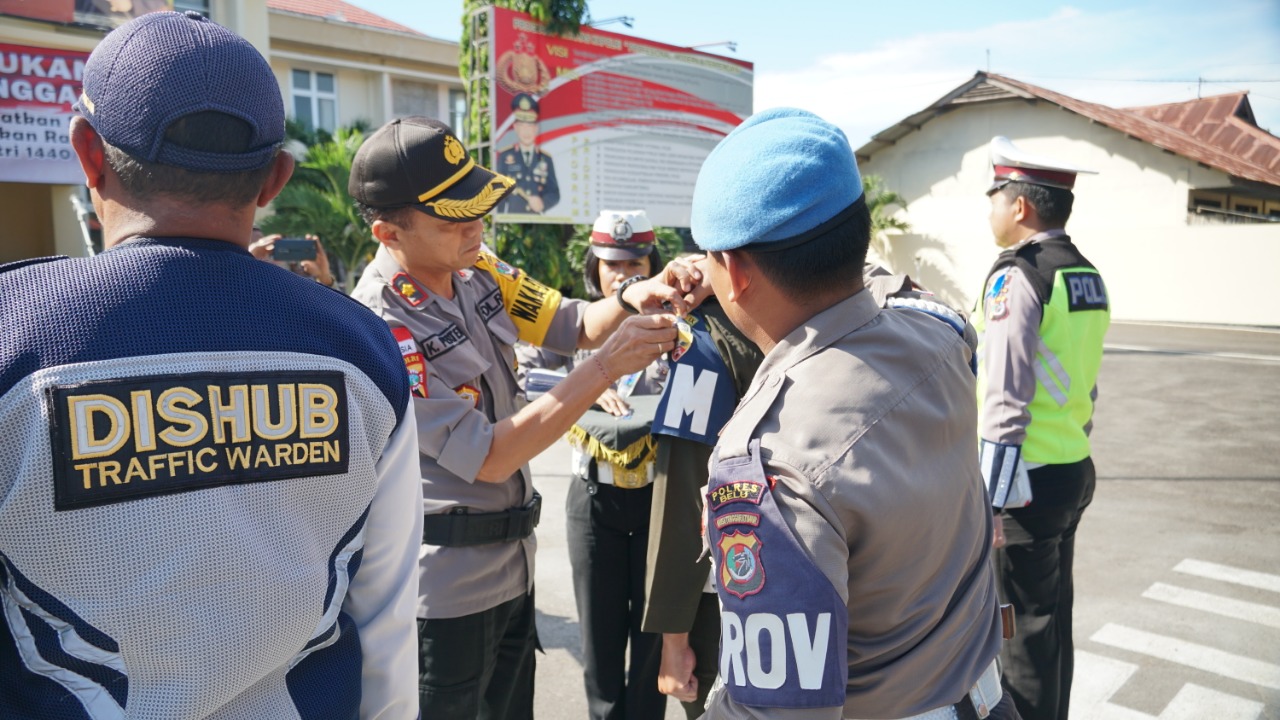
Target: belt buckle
630 479
987 692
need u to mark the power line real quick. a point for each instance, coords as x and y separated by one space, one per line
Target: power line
1156 80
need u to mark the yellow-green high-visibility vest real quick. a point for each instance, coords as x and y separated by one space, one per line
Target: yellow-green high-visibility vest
1075 314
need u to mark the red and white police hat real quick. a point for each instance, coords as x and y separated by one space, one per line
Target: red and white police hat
1014 165
622 235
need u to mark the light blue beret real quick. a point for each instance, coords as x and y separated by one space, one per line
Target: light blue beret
780 174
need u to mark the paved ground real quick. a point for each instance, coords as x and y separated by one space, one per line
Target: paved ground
1178 560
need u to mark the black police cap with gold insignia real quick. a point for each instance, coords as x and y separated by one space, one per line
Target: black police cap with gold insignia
418 162
525 108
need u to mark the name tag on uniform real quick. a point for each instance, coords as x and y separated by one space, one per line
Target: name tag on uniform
118 440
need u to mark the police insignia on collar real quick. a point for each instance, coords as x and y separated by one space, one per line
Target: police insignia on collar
741 571
408 289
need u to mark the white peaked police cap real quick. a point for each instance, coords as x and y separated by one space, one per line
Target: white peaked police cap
1012 164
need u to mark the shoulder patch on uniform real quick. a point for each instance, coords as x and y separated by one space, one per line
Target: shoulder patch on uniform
414 363
408 289
488 260
783 632
737 518
1085 291
748 491
127 439
530 304
998 298
741 569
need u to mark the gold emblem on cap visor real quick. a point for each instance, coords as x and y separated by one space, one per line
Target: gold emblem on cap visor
453 151
477 206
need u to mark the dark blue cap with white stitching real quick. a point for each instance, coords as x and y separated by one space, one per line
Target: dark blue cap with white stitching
159 67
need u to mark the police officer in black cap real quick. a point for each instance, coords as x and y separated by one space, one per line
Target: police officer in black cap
457 310
536 189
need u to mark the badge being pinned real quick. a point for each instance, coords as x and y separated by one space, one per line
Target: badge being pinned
684 337
741 572
414 363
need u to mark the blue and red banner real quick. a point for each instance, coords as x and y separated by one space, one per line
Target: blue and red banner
621 122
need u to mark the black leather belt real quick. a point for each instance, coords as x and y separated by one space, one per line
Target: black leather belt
461 528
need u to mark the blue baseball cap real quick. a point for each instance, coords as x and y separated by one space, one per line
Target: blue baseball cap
781 178
159 67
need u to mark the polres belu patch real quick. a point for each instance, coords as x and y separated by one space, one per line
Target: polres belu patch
118 440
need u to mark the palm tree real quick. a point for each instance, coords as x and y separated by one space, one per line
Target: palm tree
315 202
879 200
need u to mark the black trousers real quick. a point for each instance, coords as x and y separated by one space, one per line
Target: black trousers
608 538
479 665
1034 574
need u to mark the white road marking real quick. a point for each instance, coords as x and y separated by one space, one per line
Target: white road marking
1190 654
1195 353
1195 703
1098 678
1216 604
1226 573
1199 326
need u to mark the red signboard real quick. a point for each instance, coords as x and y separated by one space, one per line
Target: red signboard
602 120
103 13
37 88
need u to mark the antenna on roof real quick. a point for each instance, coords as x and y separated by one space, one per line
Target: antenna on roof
988 59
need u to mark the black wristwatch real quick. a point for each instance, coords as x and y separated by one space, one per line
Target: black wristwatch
622 287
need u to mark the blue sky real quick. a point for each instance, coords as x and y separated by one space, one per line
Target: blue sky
866 65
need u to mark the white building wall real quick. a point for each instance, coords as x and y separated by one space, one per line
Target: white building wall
1130 219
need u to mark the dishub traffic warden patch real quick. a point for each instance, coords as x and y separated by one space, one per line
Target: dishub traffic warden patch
118 440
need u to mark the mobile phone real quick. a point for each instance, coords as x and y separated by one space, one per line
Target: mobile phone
293 249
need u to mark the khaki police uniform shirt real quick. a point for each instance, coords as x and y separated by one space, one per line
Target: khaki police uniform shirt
471 384
880 483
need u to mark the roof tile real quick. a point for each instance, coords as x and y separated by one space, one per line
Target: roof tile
1187 130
